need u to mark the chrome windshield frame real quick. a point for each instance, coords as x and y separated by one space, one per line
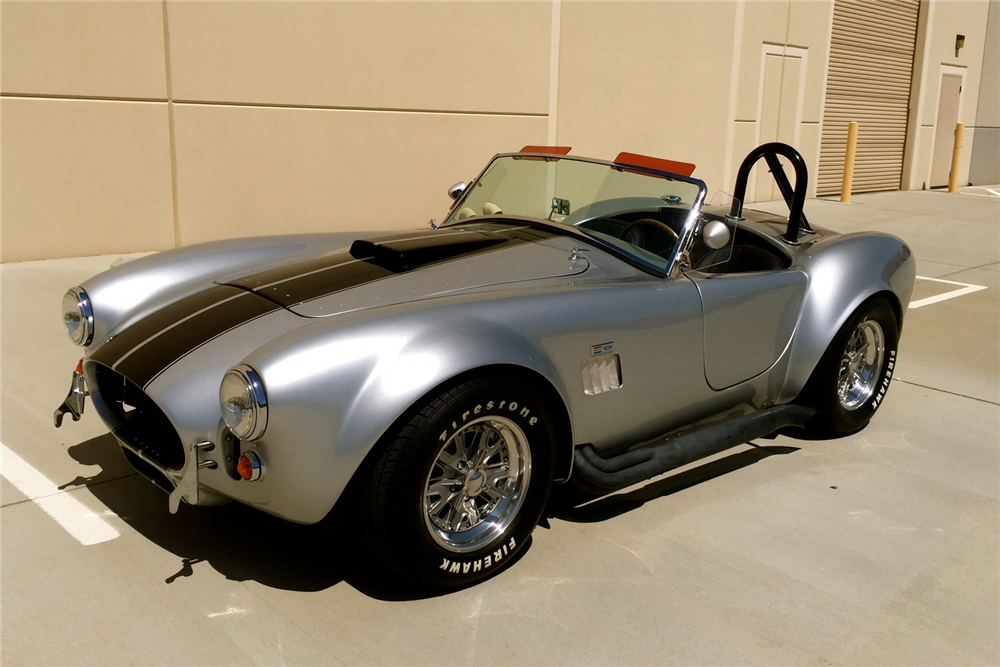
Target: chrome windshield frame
683 242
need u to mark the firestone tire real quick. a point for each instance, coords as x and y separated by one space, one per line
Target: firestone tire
461 486
850 382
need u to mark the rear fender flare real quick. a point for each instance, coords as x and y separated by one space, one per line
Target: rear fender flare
842 276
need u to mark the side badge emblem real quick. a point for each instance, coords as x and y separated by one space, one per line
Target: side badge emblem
601 348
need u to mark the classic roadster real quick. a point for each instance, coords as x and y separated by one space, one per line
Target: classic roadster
571 320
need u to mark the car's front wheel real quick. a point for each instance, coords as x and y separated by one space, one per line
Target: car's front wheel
460 487
851 380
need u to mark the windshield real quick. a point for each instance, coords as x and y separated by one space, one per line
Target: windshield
638 213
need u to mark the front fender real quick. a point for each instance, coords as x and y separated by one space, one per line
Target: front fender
843 272
335 387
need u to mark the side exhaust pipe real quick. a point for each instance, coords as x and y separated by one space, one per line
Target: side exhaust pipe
638 465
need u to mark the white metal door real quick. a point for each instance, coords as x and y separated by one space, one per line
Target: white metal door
944 132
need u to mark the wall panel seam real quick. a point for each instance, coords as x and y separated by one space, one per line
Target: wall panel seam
170 126
554 46
82 98
261 105
320 107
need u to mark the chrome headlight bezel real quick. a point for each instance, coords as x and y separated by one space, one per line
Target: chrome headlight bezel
242 385
76 306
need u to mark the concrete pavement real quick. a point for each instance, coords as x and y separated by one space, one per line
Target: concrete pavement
880 548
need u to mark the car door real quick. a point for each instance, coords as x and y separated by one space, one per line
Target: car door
748 320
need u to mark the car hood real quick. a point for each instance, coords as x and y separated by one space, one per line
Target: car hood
413 266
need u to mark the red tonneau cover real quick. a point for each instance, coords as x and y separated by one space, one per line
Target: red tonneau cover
550 150
647 162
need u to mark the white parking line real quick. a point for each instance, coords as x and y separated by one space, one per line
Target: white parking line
966 289
993 193
79 521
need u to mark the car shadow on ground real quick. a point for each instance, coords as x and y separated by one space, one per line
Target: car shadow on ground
239 542
244 544
581 508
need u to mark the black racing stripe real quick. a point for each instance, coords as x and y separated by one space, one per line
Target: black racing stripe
345 273
131 338
158 341
314 270
374 259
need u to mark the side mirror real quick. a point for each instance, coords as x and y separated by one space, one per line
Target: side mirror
715 235
456 190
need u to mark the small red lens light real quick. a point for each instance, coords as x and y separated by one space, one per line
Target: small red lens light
79 367
245 467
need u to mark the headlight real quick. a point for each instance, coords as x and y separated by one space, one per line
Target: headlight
244 402
77 316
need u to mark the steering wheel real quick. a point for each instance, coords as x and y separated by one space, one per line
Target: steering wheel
650 222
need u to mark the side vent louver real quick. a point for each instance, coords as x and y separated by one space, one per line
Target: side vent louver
601 373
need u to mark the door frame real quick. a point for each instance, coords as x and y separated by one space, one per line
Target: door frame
945 70
785 51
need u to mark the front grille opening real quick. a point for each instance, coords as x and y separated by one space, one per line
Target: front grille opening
142 422
148 471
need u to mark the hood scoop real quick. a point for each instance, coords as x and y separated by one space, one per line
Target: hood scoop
408 254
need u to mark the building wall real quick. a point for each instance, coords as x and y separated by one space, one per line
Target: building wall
940 22
984 168
146 125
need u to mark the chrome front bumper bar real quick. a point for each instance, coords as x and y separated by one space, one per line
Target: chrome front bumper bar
75 400
183 479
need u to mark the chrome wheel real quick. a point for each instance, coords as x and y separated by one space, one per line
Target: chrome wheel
477 484
861 364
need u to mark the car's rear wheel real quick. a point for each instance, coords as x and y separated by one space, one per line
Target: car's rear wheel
851 380
460 487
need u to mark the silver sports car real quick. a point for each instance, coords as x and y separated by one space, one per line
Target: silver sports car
571 320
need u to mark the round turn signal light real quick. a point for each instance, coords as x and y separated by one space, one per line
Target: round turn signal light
249 467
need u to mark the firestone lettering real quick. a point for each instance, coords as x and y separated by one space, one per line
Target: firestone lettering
512 406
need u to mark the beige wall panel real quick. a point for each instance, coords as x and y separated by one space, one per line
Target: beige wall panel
809 26
84 178
466 56
245 171
770 112
809 136
763 21
921 159
96 49
943 21
744 141
636 77
947 20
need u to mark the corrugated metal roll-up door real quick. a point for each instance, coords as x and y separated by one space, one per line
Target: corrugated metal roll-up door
871 62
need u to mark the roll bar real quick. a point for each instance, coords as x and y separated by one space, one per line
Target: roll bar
793 198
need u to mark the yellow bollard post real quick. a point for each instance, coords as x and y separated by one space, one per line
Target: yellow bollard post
956 157
852 146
